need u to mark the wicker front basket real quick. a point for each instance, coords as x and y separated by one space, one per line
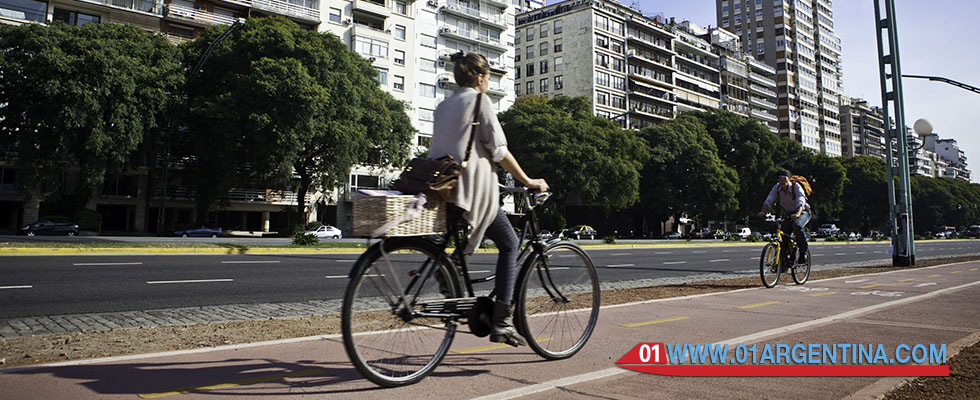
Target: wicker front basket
371 212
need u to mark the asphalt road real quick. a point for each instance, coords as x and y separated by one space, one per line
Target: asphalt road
56 285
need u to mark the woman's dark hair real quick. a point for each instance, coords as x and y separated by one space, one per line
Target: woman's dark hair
468 66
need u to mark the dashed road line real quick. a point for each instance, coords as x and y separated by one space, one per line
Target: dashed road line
345 260
620 265
820 294
675 262
189 281
492 347
621 254
251 262
756 305
17 287
664 252
906 280
657 321
934 275
956 272
106 263
869 286
719 260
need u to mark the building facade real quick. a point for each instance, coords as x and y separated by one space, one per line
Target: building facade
862 129
796 37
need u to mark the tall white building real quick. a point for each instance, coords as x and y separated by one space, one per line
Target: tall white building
797 38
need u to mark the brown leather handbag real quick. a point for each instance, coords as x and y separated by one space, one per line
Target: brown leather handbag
437 175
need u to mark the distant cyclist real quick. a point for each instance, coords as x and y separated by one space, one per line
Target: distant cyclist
793 200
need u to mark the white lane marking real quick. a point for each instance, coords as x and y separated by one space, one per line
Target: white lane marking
345 260
840 254
543 386
620 254
620 265
753 258
568 255
857 281
860 252
675 262
817 255
250 262
699 251
925 284
190 281
17 287
345 276
108 263
719 260
664 252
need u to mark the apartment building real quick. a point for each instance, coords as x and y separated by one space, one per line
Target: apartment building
637 70
796 37
862 129
747 85
954 158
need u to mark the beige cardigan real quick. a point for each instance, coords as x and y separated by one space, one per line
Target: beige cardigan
477 192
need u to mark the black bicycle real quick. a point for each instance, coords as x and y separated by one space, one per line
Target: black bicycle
407 298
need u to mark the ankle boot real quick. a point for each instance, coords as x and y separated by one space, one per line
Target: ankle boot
503 330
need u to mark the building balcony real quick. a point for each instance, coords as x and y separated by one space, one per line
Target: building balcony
653 45
694 44
763 115
768 82
458 9
652 112
148 6
473 38
195 16
652 25
760 65
377 8
762 90
659 62
651 80
497 3
367 31
652 93
763 103
448 82
286 8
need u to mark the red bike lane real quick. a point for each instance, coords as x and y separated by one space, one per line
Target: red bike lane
932 305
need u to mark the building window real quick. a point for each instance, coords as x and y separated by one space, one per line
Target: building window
426 114
619 82
399 32
601 98
619 64
427 65
602 41
602 59
558 82
181 31
428 40
543 31
427 90
529 52
29 10
334 15
382 76
371 48
529 70
760 47
544 85
517 54
619 101
557 26
401 7
399 83
557 45
544 66
517 73
75 18
400 57
543 49
559 61
530 87
602 79
530 34
517 89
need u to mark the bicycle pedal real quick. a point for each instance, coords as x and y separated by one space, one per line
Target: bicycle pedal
458 305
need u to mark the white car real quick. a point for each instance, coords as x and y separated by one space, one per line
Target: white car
326 231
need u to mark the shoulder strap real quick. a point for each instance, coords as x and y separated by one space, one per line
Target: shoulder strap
475 124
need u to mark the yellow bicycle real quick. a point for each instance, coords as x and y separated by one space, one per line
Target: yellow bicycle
771 264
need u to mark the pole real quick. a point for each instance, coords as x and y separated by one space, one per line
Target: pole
181 98
899 193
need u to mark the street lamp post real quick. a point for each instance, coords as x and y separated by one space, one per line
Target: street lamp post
181 97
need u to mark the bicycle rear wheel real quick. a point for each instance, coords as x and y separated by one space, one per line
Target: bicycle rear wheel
557 301
769 265
802 271
383 340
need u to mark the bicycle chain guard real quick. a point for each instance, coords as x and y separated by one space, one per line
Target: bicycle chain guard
480 317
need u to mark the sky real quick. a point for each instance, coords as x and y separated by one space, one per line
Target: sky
935 37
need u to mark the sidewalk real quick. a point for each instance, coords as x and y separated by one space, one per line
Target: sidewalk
915 306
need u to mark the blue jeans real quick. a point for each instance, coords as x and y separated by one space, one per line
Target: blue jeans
796 226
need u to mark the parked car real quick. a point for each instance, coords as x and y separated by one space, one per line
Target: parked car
545 235
581 231
326 231
50 226
973 231
673 235
743 232
199 231
827 230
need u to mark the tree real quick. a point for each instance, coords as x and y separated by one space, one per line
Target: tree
585 158
80 97
684 173
866 200
275 99
748 147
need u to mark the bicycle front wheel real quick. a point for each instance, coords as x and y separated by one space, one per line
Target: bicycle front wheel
557 301
384 340
802 271
769 265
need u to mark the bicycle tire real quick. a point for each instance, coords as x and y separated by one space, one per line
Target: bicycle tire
384 347
558 324
801 272
769 265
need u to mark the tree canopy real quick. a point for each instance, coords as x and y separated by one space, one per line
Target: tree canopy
586 159
81 97
278 99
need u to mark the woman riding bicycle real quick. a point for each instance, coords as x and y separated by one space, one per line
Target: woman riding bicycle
793 200
475 199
